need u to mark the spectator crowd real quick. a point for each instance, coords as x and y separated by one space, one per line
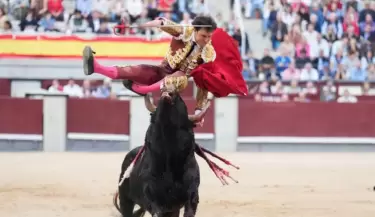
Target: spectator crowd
313 40
88 89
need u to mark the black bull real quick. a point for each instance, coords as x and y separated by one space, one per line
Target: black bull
166 177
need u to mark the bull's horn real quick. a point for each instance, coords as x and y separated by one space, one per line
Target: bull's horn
149 105
198 117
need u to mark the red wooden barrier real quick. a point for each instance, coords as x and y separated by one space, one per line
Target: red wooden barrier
5 87
21 116
98 116
306 119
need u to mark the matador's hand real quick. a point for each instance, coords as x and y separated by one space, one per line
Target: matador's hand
200 123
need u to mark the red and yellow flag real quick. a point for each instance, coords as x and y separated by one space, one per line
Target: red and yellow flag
71 47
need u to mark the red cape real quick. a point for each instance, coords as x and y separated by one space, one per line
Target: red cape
224 75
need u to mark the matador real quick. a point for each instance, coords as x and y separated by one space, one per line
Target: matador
207 54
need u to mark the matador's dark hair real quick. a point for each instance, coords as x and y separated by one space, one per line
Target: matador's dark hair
204 20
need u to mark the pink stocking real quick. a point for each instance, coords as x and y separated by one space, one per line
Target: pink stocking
144 89
108 71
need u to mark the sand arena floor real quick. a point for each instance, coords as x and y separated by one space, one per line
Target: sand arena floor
271 185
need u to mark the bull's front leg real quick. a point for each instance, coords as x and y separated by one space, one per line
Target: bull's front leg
191 205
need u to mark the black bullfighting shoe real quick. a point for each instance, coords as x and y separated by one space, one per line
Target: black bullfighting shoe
129 85
88 60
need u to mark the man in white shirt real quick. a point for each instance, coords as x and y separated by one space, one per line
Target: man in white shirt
73 89
310 35
347 98
308 73
318 45
340 45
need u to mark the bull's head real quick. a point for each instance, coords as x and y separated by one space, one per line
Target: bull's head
171 104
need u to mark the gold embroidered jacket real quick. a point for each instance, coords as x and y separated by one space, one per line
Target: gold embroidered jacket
177 56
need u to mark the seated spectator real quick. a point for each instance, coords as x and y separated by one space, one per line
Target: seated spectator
301 97
73 89
47 23
315 23
55 8
85 7
367 60
367 90
104 90
246 72
332 27
367 22
329 91
135 8
367 10
293 88
219 20
282 62
365 47
341 73
186 19
350 61
258 97
3 18
199 7
371 72
284 98
288 16
308 73
320 61
141 20
291 72
330 35
288 46
253 63
302 59
278 30
102 7
30 22
117 8
310 35
104 29
295 34
336 60
347 98
19 8
340 45
310 88
320 45
87 89
302 46
78 23
368 34
8 28
357 73
55 87
351 32
95 21
267 64
336 11
278 88
315 10
353 46
264 88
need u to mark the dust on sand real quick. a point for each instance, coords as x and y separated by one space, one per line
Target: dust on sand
271 185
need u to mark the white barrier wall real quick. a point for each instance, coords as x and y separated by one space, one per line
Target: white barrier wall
55 135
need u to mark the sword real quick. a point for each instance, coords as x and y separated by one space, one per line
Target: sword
179 25
123 26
